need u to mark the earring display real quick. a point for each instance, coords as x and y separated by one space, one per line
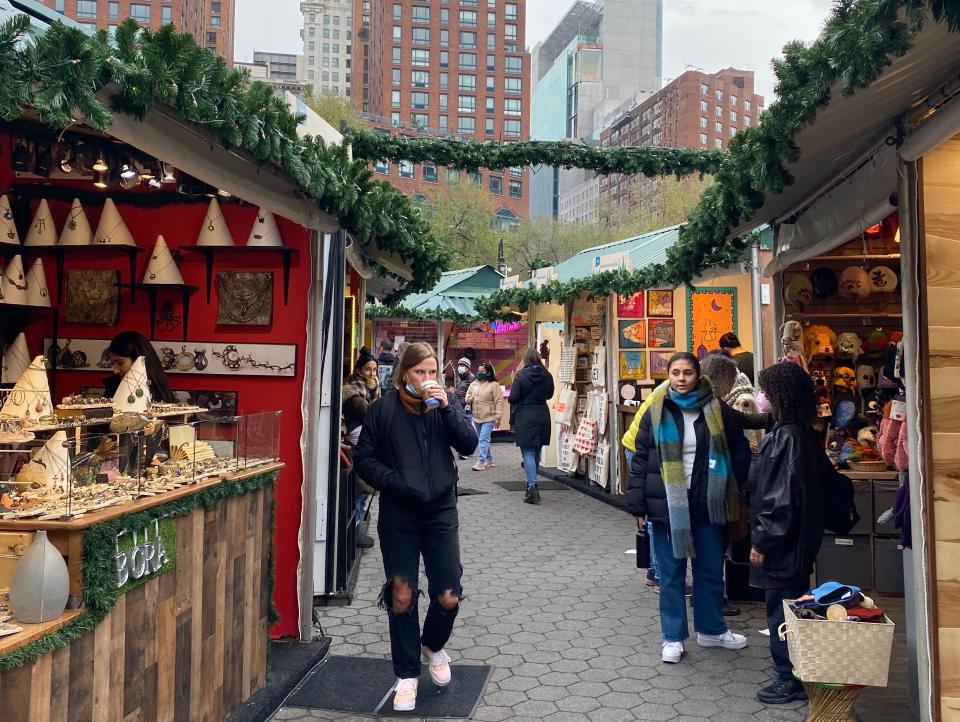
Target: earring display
8 229
245 298
133 395
91 296
30 397
214 231
42 231
265 231
162 268
76 230
15 283
112 230
37 293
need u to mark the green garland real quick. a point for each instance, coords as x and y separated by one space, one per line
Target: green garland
472 155
860 39
100 593
433 314
57 75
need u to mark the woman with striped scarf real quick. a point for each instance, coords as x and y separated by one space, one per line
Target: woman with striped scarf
690 463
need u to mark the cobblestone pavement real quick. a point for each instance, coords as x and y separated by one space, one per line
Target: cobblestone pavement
560 611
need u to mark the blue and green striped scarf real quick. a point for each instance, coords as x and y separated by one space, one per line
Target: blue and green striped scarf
722 494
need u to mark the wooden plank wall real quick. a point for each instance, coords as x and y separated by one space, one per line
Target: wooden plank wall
188 645
941 224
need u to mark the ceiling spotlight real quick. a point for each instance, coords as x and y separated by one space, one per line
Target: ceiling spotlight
148 171
155 184
44 163
168 176
224 194
20 158
66 163
101 165
129 177
100 178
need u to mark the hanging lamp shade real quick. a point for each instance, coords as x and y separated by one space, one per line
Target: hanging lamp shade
76 231
42 231
8 229
37 292
133 395
16 360
162 268
30 398
264 231
112 231
15 283
214 231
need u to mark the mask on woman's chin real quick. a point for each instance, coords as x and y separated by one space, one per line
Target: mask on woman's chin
411 390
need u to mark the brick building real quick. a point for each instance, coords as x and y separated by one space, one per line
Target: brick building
211 22
452 69
697 110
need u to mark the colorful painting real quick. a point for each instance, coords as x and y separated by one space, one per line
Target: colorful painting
660 304
711 312
662 333
633 365
632 334
630 306
658 364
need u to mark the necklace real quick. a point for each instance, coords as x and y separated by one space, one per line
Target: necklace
75 213
19 396
15 284
245 297
212 221
154 274
140 380
105 238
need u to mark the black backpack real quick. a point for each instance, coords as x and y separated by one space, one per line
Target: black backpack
839 509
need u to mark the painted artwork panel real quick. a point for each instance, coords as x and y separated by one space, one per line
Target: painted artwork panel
633 365
631 306
632 334
662 333
660 303
711 312
658 364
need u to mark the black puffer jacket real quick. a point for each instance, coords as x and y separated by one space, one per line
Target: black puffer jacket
529 414
787 505
407 456
647 494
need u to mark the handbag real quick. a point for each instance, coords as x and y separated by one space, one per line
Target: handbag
643 548
586 439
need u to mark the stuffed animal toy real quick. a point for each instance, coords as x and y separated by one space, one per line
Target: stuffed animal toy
854 283
834 444
844 378
791 338
820 342
867 436
883 280
799 292
849 346
875 343
866 377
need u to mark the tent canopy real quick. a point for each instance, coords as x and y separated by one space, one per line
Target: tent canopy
457 291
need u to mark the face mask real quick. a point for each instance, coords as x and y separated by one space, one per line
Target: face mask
412 391
462 370
481 376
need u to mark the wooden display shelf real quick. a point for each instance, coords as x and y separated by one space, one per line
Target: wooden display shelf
210 251
871 475
845 314
61 252
152 289
32 632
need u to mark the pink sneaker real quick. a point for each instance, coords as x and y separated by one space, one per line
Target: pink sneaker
405 698
439 667
478 466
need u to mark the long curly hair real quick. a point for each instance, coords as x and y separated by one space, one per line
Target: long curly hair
789 389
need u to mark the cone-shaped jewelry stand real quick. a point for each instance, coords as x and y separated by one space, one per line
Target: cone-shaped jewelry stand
42 231
16 359
15 283
162 269
52 463
8 229
133 396
30 398
112 231
76 231
37 293
214 231
264 231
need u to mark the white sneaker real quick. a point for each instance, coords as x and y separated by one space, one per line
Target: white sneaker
439 663
405 698
727 640
672 652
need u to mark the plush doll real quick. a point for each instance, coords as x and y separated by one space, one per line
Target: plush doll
872 408
867 436
834 444
875 343
849 346
820 342
854 283
844 378
799 292
791 338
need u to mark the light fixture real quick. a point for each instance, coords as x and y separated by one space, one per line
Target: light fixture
224 194
129 177
20 158
148 172
101 165
100 178
168 176
155 184
66 163
44 163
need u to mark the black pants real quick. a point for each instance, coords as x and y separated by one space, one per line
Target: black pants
778 650
406 533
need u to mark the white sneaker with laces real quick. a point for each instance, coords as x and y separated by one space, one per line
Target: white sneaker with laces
672 652
439 663
727 640
405 698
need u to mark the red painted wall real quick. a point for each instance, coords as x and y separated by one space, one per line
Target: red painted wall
180 225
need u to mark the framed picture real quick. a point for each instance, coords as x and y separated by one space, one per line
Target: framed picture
92 296
629 393
658 364
632 334
662 333
711 312
660 304
220 401
630 306
245 298
633 365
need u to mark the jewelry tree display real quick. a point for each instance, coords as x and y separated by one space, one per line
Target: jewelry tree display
30 397
112 230
214 231
76 231
8 229
162 268
16 359
15 283
265 231
37 293
133 396
42 231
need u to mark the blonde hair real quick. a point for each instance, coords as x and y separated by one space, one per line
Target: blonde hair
413 355
531 356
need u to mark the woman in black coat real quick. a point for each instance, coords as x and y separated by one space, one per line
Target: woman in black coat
530 417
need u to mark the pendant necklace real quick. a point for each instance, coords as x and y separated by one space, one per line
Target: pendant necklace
212 221
154 274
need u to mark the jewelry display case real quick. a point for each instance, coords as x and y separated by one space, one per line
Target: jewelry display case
259 440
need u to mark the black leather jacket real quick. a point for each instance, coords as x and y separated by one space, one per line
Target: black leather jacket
786 504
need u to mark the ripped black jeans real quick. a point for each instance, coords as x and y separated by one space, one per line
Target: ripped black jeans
406 532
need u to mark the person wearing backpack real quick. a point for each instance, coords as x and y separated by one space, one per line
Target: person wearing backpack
788 511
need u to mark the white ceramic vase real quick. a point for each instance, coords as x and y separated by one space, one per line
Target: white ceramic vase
40 583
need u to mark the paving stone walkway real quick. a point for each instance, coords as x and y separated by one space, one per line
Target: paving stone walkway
560 611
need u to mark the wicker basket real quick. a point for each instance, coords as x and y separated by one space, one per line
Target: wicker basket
838 652
868 466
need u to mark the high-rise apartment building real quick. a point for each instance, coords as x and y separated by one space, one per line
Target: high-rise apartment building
211 22
697 110
598 56
327 45
446 67
278 70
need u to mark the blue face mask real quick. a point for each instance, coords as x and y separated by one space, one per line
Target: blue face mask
412 391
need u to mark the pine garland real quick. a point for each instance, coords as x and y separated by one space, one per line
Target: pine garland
59 73
433 314
100 593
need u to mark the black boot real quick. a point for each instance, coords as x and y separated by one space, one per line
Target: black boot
782 692
532 496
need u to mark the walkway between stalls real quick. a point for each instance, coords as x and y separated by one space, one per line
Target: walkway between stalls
560 611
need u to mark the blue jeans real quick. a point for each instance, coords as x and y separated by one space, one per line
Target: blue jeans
778 650
709 543
531 460
652 572
484 430
361 504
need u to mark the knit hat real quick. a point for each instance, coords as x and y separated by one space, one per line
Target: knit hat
722 372
464 361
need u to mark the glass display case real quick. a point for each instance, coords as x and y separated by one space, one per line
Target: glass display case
202 449
259 440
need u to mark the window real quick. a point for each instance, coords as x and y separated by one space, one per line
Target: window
444 80
444 16
491 83
719 94
467 82
468 39
703 139
516 172
719 143
58 5
397 13
510 32
444 38
326 19
491 63
718 126
336 48
211 38
467 103
313 32
214 21
511 11
476 177
395 98
703 122
312 46
467 125
491 21
336 34
490 106
420 120
444 123
311 75
113 10
430 173
703 106
86 8
421 36
397 33
511 106
421 14
395 56
336 78
395 118
733 131
468 18
733 101
514 64
718 111
325 48
704 88
491 42
495 184
746 120
336 19
382 166
420 57
420 101
326 61
444 101
468 61
313 16
747 106
488 127
311 60
513 85
453 176
733 116
511 128
418 78
326 33
516 189
444 59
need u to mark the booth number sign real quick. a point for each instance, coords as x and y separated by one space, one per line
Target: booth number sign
143 553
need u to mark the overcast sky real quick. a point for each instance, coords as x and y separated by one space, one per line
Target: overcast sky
704 34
